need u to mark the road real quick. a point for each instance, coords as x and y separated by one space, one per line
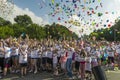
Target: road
111 75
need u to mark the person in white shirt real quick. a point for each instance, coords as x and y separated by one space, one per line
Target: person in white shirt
34 57
23 60
14 56
110 51
55 62
88 67
39 61
44 59
82 63
49 59
7 58
77 62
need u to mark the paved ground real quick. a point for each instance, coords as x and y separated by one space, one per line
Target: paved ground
111 75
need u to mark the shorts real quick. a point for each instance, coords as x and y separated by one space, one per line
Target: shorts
83 62
7 62
110 59
44 60
49 60
23 64
58 59
15 57
77 65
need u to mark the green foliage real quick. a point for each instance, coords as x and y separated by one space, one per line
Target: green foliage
23 20
25 25
6 32
110 34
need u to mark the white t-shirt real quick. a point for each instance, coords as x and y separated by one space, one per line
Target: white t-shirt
15 51
55 59
118 49
82 59
110 52
49 54
7 52
39 54
70 54
23 58
77 57
59 53
44 54
88 64
34 54
88 49
98 53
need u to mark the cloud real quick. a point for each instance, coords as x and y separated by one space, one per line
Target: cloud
19 11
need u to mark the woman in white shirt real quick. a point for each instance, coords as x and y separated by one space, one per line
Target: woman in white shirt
7 58
49 59
14 56
82 63
44 59
110 51
23 60
34 57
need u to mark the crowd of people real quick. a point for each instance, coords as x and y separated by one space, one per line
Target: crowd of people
20 55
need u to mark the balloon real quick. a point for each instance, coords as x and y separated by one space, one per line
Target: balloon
74 1
112 12
107 21
100 14
93 1
101 4
104 25
99 0
109 25
93 12
96 7
59 18
106 12
89 1
75 5
84 1
53 1
93 23
110 32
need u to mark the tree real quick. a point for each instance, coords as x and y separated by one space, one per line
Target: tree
4 22
6 32
23 20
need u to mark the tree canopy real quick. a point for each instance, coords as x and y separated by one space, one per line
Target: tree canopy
109 34
24 24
